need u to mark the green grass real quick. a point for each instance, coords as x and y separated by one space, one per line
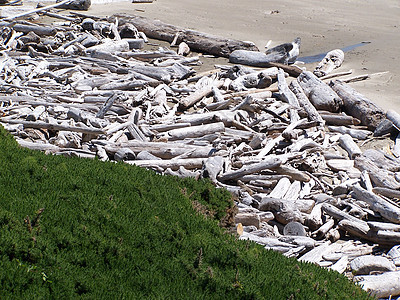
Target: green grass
77 228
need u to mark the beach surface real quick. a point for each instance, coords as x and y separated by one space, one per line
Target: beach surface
322 26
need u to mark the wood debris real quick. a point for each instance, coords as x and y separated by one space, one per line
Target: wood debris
291 147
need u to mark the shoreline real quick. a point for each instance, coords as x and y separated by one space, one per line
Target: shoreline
337 24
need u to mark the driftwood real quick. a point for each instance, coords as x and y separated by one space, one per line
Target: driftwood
319 93
381 286
357 105
387 210
332 60
294 188
197 41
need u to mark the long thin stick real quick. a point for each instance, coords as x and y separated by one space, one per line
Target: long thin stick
36 10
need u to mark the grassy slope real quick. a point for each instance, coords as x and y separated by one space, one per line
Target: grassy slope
116 231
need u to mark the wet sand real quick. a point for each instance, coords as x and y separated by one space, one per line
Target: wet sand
322 26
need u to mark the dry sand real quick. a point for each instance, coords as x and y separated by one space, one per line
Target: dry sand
322 25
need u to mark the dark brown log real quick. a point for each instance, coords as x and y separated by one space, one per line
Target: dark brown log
357 105
197 41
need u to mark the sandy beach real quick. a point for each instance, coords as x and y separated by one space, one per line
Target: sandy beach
322 26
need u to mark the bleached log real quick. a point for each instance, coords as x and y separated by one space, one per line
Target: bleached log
341 215
312 113
23 14
386 192
365 264
272 143
382 161
319 93
380 286
322 231
380 177
315 255
197 41
269 163
194 131
355 133
394 254
54 127
375 226
38 146
285 211
293 191
280 189
332 60
174 164
212 167
339 119
341 265
348 144
357 105
167 150
110 47
387 210
288 96
199 94
293 173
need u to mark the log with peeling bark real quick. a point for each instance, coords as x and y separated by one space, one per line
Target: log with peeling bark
197 41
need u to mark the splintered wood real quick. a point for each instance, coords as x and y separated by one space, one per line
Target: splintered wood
292 148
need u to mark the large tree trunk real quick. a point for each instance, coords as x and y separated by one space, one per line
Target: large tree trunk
196 40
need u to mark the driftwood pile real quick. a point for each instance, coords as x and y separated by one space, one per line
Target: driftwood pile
289 148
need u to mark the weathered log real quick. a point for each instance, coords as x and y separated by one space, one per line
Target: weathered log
194 131
357 105
254 58
288 96
366 264
382 161
380 177
339 119
332 60
269 163
76 5
348 144
164 150
37 29
174 164
394 117
312 113
355 133
54 127
378 204
23 14
315 255
386 192
380 286
197 41
319 93
199 94
285 211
